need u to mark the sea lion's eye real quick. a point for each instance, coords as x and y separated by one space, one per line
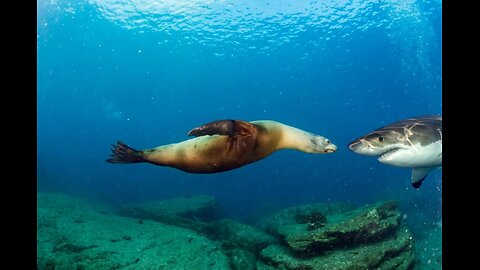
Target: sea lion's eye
380 138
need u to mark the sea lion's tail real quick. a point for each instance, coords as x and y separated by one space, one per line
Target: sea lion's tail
122 153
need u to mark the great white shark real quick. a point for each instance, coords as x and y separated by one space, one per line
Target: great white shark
412 143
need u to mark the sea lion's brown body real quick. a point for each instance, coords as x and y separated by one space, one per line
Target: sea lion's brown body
221 148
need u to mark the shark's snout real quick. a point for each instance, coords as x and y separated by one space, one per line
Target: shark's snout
353 146
363 147
359 146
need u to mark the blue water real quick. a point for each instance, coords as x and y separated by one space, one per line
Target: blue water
146 72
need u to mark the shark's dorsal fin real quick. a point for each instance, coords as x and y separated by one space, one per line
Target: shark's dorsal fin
418 175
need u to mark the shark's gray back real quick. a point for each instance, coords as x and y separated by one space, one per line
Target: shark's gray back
424 130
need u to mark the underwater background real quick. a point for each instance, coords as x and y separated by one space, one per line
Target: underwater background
146 72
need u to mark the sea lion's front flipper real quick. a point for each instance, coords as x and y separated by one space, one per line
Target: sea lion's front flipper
232 128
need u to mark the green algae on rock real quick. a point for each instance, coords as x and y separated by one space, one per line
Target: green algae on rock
240 235
201 207
312 215
263 266
63 243
359 226
190 212
395 252
241 259
74 234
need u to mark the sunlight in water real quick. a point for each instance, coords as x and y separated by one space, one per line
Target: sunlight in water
219 20
273 23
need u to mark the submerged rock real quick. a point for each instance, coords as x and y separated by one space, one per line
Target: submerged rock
312 215
395 252
263 266
74 234
105 241
362 225
188 212
201 207
240 235
241 259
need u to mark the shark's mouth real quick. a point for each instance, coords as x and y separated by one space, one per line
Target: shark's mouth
388 153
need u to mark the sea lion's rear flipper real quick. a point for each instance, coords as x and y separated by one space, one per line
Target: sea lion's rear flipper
232 128
122 153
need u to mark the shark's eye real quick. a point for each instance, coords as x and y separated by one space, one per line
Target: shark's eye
380 138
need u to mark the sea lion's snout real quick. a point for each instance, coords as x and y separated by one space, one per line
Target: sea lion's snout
330 148
322 145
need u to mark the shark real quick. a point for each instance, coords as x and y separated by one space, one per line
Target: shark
414 143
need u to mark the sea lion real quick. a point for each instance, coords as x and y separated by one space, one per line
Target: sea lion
225 145
412 143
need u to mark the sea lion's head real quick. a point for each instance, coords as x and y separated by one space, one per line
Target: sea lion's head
320 145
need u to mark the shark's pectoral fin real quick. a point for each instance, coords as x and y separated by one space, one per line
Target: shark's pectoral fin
418 175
